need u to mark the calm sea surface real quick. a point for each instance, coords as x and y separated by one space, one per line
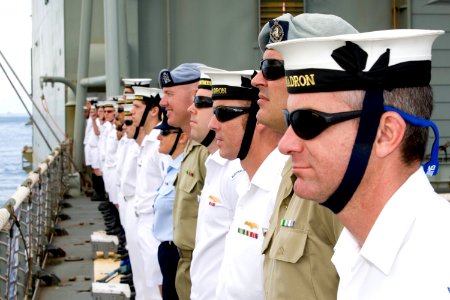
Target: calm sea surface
14 135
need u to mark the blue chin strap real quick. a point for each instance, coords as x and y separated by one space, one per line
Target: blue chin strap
432 166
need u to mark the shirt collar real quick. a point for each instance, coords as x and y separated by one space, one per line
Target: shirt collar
190 146
266 174
391 227
215 157
175 164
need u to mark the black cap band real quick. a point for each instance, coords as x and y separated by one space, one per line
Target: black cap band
226 92
205 83
353 60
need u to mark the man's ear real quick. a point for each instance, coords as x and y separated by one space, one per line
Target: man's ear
154 112
391 131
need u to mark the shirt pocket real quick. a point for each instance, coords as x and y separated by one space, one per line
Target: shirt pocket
187 183
288 245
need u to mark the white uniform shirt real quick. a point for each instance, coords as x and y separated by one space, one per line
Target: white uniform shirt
407 252
87 135
122 148
241 273
87 131
109 167
129 170
215 214
93 138
93 146
111 148
104 132
151 166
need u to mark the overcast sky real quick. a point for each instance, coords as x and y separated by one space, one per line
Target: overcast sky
15 44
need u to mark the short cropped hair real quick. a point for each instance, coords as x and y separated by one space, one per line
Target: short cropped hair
416 101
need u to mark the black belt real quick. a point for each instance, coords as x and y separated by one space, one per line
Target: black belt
168 243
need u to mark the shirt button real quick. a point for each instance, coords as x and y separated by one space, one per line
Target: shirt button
281 250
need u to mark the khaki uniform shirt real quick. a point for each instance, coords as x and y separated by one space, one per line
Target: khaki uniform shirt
298 247
188 186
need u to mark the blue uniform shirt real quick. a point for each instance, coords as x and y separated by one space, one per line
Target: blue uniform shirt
163 206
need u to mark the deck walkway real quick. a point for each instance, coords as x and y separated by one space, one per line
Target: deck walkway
76 276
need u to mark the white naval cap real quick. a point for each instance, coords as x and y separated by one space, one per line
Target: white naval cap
380 59
132 82
233 85
205 80
146 93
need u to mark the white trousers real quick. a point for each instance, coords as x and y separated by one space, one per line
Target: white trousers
143 292
148 246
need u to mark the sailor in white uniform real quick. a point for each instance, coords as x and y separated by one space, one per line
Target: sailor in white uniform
122 150
90 104
151 165
94 152
111 142
217 200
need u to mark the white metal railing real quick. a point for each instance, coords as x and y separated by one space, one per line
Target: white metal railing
26 223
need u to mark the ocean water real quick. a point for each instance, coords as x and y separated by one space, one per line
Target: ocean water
14 135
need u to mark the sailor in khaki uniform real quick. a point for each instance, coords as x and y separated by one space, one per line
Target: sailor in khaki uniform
179 88
299 243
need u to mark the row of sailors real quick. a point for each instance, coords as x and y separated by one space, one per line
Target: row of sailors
210 216
223 212
223 221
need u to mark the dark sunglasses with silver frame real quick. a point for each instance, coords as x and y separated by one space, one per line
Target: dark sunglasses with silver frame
309 123
227 113
169 131
272 69
203 102
128 122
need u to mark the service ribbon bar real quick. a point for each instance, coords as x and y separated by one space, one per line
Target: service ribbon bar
248 233
287 223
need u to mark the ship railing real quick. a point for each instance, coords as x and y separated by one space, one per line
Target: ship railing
27 222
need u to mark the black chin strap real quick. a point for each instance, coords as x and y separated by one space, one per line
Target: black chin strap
136 133
249 130
147 109
175 143
368 126
208 138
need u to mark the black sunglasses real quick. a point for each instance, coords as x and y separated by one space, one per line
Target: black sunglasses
168 131
308 123
272 69
202 102
227 113
128 122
